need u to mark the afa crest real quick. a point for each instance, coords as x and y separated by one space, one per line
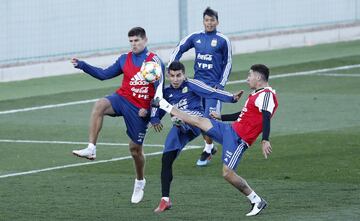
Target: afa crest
214 42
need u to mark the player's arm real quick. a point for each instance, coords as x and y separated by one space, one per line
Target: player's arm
225 117
203 90
156 113
265 143
99 73
155 118
226 63
159 84
266 115
265 103
183 46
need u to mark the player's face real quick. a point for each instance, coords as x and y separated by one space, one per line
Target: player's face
210 23
176 78
137 44
253 79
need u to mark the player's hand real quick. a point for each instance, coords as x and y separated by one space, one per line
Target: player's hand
75 62
215 115
266 148
238 95
155 102
157 127
143 112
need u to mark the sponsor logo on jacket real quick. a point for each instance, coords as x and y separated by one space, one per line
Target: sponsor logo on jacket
204 57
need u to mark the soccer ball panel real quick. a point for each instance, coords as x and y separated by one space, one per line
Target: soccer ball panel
151 71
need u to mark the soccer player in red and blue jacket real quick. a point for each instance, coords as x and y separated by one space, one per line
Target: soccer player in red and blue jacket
131 100
212 65
186 95
238 136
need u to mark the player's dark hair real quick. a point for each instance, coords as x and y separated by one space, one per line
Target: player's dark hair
176 65
262 69
137 31
210 12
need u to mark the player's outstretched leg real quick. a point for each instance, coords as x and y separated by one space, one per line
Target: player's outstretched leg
203 123
101 108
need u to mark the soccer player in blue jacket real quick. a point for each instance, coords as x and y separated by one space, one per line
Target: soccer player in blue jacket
185 94
212 66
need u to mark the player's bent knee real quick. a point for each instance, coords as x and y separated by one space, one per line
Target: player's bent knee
135 150
101 105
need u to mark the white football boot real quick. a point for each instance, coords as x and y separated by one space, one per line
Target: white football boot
138 193
257 208
88 153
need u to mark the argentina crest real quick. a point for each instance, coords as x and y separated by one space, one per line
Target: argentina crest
214 42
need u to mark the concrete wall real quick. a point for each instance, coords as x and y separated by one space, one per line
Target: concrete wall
38 37
240 44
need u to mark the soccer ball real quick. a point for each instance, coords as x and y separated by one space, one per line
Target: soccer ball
151 71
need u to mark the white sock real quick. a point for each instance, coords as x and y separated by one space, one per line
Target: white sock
165 198
91 146
253 197
140 182
208 147
165 105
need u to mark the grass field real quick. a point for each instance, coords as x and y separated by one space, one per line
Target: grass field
312 174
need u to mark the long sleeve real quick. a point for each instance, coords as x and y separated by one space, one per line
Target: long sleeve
266 115
99 73
159 85
230 117
227 62
183 46
156 113
205 91
266 104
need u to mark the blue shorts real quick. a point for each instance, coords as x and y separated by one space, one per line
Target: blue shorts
211 105
233 146
135 126
178 137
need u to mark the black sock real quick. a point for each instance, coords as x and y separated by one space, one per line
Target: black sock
168 159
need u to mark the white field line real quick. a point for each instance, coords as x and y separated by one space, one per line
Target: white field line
338 75
230 82
303 73
87 163
47 106
70 142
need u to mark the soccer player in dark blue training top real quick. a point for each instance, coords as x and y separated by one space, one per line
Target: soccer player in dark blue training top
186 95
131 100
212 66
